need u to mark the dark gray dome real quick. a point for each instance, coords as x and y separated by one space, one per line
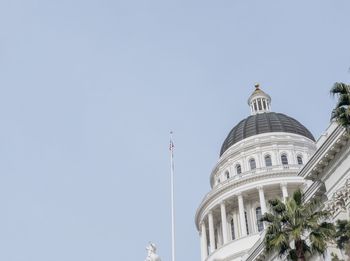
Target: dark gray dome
264 123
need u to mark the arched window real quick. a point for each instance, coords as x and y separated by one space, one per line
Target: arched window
246 221
238 169
258 217
255 108
300 160
268 162
252 164
227 174
232 230
284 159
259 103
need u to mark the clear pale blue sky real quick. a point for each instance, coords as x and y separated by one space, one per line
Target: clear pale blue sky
90 89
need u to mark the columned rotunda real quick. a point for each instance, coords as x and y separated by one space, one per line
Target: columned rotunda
259 160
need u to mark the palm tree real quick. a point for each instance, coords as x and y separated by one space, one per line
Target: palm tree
342 110
296 229
342 236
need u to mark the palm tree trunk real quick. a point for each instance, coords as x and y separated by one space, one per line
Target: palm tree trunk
299 250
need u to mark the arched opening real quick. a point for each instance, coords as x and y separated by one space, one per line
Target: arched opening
232 229
227 174
260 106
258 219
252 164
284 159
246 221
300 160
268 161
238 169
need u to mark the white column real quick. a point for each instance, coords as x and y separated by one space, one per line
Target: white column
211 232
254 219
284 191
235 224
204 243
218 236
250 218
241 215
293 160
262 200
223 222
260 160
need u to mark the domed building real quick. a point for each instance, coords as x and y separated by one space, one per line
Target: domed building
259 160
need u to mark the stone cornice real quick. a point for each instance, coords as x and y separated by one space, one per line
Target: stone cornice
264 140
316 189
324 154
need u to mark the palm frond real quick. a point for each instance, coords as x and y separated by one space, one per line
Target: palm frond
318 244
292 256
342 110
297 196
342 234
291 221
343 100
277 206
340 88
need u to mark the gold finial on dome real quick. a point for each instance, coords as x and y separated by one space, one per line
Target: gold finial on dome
257 86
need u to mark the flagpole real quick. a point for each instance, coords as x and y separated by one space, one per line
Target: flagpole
172 197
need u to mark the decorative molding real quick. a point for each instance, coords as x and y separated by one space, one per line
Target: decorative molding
260 187
331 146
266 144
283 184
340 199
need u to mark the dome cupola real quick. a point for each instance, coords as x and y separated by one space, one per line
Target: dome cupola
262 120
259 101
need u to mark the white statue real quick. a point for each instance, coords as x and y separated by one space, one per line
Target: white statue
151 253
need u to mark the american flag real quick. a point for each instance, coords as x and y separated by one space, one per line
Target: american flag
171 145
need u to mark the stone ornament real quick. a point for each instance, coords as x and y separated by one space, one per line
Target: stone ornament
340 199
151 253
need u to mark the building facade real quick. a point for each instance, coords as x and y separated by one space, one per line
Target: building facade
265 156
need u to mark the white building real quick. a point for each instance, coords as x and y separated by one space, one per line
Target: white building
268 155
